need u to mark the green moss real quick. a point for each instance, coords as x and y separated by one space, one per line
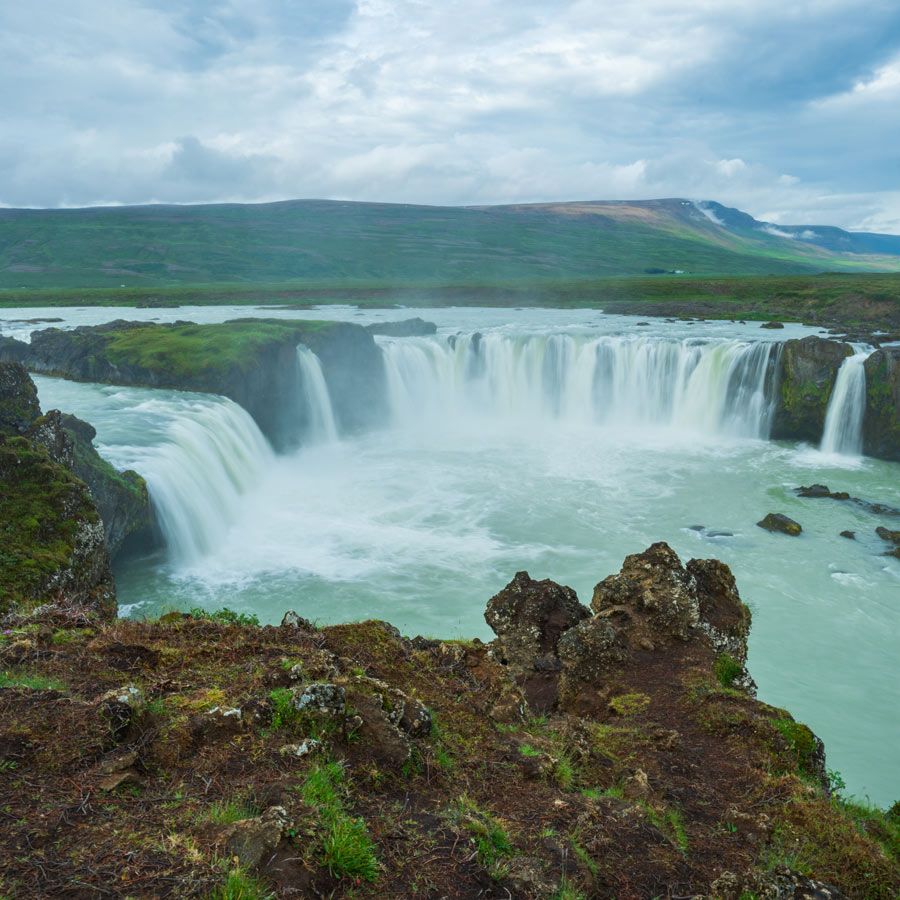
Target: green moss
492 843
226 616
42 506
800 740
629 704
727 669
192 351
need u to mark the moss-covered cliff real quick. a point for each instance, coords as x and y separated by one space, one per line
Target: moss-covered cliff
616 751
251 361
807 370
52 546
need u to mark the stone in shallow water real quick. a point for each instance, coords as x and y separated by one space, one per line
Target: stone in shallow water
780 523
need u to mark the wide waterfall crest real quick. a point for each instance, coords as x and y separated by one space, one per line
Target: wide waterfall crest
209 457
846 407
321 423
717 388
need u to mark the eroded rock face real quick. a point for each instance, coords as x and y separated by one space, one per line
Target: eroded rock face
529 617
881 424
807 371
653 604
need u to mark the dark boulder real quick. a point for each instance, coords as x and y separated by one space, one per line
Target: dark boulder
780 523
772 325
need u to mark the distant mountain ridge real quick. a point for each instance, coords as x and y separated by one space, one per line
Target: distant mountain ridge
339 242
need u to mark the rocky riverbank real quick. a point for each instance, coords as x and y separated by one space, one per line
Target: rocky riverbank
611 751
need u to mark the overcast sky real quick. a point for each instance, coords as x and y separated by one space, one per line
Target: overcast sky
789 110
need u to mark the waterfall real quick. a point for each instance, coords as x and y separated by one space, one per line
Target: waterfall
722 387
321 425
208 456
843 420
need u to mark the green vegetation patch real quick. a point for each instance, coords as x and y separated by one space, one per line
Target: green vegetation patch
42 506
346 848
196 351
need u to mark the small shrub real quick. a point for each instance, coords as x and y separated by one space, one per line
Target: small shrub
284 713
528 750
347 849
727 670
564 772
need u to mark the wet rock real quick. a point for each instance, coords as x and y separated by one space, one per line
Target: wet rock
780 884
850 535
881 422
251 840
772 325
217 723
780 523
886 534
655 584
807 370
47 432
821 490
121 497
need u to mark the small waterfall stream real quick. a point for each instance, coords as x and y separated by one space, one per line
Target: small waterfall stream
722 387
321 423
843 421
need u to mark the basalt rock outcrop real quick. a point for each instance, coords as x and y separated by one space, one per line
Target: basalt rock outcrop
881 423
807 371
561 653
52 543
121 497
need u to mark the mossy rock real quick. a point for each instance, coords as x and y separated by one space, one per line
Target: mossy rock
807 372
51 539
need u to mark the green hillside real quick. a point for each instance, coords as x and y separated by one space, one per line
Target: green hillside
330 242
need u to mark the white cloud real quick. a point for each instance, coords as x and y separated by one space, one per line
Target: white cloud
476 101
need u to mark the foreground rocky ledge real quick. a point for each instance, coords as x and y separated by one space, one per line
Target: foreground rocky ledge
611 751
